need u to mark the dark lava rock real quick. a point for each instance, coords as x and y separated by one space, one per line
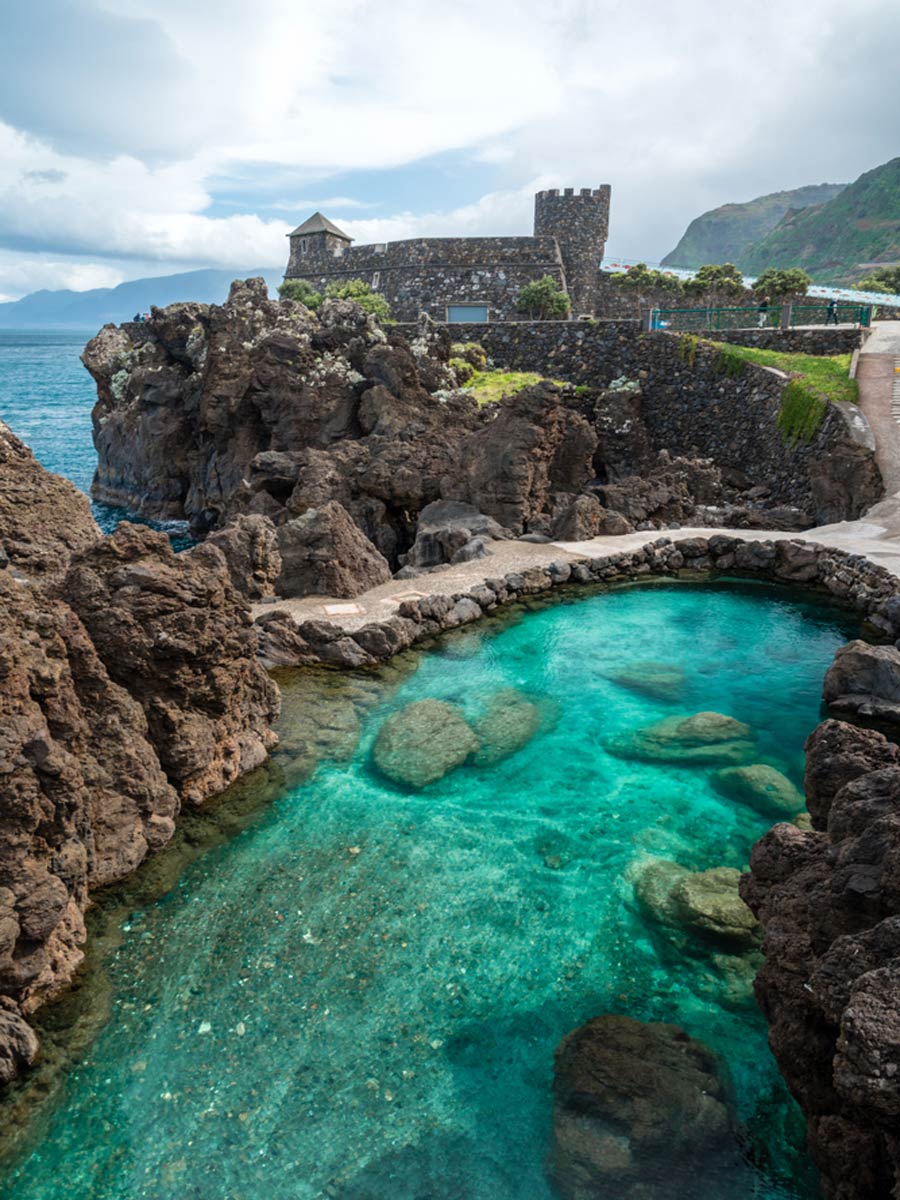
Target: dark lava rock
641 1112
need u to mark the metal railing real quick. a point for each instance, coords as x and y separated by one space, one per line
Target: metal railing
776 316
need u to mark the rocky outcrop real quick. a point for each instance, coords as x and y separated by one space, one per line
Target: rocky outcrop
249 545
445 532
173 631
263 408
829 903
43 517
324 552
865 680
128 685
641 1110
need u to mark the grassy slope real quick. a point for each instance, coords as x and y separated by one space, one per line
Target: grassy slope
833 241
490 386
724 234
815 380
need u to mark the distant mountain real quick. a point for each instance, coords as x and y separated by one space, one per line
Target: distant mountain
724 234
90 310
840 241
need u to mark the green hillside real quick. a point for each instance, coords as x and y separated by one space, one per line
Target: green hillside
839 241
725 234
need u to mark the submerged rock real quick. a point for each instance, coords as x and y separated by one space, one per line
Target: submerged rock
510 722
18 1041
704 903
423 742
660 681
705 737
762 787
641 1111
709 903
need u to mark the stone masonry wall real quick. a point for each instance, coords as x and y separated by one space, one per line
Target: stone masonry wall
690 407
428 274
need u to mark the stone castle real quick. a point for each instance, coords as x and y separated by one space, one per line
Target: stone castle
467 279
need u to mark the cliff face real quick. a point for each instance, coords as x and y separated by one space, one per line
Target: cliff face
726 233
128 685
829 901
836 242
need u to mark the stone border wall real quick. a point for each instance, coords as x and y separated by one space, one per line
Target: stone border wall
691 407
849 578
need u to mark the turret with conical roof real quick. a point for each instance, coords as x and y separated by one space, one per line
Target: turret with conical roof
316 238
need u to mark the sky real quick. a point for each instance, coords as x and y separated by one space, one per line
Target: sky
148 137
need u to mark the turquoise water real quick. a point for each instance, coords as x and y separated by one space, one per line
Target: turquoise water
46 397
360 996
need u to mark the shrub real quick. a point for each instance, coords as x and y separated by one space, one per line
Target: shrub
884 279
777 283
360 293
543 300
718 281
801 413
471 352
462 369
643 277
301 291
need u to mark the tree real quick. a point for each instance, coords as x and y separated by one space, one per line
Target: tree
360 293
543 300
301 291
778 283
884 279
716 281
642 277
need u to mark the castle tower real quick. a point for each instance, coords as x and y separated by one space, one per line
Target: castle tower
580 223
316 239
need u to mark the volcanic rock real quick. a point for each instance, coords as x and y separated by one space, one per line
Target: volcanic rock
423 742
510 722
865 680
250 547
641 1110
659 680
762 787
705 737
325 553
445 528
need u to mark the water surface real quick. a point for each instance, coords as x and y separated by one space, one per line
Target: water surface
360 995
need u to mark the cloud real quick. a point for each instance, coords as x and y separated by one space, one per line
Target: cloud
132 128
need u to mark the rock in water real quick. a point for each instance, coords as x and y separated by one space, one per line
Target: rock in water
641 1112
706 737
762 787
709 903
705 903
423 742
325 553
510 722
660 681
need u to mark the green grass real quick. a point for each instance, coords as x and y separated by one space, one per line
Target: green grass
816 380
490 386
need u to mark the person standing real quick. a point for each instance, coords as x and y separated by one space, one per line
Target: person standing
762 318
831 312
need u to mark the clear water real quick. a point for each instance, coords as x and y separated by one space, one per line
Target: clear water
46 397
360 995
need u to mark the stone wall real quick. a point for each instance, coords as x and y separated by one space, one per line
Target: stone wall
428 274
580 223
820 340
692 408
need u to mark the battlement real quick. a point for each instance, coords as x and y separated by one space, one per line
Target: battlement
554 193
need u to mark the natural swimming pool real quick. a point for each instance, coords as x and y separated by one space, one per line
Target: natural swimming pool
360 995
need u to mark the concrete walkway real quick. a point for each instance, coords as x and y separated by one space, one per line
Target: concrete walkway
877 539
877 369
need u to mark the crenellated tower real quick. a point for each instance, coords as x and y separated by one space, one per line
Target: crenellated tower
579 220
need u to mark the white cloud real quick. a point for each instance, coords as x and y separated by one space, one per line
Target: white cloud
679 107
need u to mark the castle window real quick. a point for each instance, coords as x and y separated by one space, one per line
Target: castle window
304 245
466 312
376 279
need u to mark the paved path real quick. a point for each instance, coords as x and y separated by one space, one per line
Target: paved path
877 372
